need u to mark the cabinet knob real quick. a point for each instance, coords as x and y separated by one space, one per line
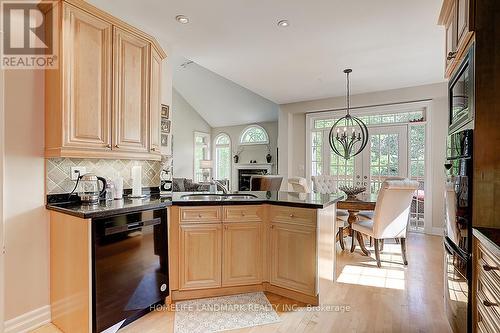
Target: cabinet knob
225 227
489 304
199 216
108 146
490 268
242 213
153 149
117 146
292 215
451 55
272 226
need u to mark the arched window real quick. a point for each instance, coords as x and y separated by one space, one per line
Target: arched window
222 157
254 135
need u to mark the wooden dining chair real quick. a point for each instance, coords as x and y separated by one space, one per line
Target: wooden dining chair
265 183
390 218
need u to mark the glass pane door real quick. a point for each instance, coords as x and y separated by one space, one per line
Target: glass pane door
385 157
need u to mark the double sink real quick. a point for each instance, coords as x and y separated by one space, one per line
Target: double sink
217 197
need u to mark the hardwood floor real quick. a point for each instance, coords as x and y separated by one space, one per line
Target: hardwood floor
387 299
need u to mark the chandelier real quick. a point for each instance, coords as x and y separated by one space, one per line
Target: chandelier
349 135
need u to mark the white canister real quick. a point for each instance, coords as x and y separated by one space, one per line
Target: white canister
118 188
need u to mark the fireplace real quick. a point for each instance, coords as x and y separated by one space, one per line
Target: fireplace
243 171
244 176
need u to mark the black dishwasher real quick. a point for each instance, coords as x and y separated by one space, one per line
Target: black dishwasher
130 267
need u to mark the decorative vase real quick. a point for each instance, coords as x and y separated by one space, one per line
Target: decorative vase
236 158
268 158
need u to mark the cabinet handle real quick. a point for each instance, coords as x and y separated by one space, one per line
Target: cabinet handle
153 149
488 268
117 146
489 304
451 55
108 146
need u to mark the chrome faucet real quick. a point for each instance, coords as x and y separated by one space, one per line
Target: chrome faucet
222 186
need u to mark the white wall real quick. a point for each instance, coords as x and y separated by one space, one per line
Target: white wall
26 220
292 126
185 121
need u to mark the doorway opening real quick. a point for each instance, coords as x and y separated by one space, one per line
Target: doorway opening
396 148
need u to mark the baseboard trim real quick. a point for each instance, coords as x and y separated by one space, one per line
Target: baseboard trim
28 321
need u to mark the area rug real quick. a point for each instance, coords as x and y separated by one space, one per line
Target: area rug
224 313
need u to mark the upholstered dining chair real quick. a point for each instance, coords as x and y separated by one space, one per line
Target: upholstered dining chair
390 218
265 182
299 185
325 185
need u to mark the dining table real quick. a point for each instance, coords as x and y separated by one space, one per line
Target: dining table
361 202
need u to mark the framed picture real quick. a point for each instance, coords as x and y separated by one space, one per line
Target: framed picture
164 140
165 111
165 125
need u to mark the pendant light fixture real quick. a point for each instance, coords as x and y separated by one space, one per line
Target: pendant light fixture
349 135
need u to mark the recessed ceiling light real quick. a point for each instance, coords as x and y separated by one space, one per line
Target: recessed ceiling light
283 23
182 19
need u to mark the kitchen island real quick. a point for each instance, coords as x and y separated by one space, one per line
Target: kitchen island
280 242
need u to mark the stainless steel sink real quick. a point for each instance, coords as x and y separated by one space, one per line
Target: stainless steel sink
217 197
240 197
202 197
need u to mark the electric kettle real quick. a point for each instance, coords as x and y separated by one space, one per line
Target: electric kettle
89 188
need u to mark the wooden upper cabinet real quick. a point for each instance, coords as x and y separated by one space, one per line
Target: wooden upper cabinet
104 99
86 80
457 16
155 102
131 69
451 39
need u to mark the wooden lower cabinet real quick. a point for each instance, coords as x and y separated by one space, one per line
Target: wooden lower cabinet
200 256
486 285
242 254
293 257
231 249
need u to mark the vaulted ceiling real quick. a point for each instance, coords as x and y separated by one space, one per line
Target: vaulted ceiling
388 43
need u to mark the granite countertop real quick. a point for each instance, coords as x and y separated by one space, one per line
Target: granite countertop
109 208
292 199
489 234
116 207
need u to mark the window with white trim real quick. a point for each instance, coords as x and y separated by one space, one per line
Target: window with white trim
201 152
254 135
222 156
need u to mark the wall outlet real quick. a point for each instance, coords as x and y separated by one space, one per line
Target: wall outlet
74 171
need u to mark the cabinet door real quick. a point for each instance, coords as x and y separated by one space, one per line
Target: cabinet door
131 82
451 39
155 102
86 80
293 257
200 256
241 254
463 26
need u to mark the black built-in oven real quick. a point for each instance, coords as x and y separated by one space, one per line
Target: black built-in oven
458 230
130 267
